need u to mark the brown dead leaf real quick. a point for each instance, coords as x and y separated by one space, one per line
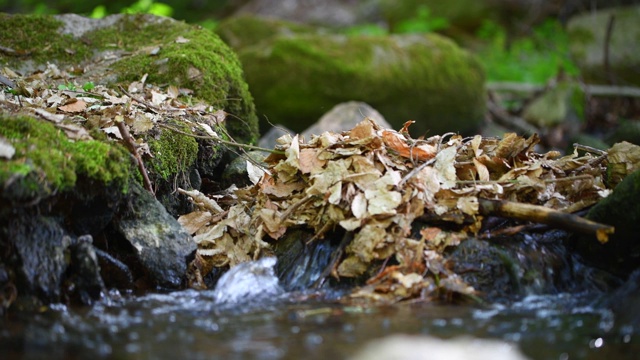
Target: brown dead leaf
73 107
398 143
194 221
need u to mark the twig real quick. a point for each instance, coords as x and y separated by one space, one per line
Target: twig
544 215
589 149
593 90
131 146
426 163
607 42
217 139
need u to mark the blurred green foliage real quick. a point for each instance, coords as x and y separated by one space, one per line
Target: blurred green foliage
533 59
422 22
190 10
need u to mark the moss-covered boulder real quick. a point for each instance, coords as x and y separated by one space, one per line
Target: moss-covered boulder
297 76
621 254
120 49
588 34
46 162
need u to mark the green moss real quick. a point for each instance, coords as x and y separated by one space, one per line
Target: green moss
244 31
421 77
31 36
203 64
46 161
173 153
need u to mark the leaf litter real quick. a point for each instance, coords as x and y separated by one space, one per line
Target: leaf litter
402 201
378 185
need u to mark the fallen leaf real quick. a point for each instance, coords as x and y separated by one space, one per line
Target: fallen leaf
77 106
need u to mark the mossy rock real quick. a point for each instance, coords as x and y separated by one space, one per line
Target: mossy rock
296 78
621 254
587 35
46 162
119 49
245 30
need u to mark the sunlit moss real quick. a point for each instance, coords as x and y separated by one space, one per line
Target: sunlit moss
173 152
46 161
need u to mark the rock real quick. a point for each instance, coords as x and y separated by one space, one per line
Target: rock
244 170
621 254
295 78
587 33
160 243
47 263
336 13
57 191
268 140
345 116
628 130
422 347
564 103
248 281
40 249
169 51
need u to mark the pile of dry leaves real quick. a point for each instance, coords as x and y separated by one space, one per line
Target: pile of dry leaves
374 183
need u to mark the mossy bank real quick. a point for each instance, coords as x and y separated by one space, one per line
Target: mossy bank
46 162
120 49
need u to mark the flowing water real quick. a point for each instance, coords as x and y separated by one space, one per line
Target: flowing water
194 325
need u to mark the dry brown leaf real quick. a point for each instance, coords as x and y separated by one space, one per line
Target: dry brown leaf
194 221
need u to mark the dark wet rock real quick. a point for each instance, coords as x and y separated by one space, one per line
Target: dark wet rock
297 76
621 209
345 116
87 283
509 267
48 264
489 269
625 302
248 281
301 265
40 260
237 172
159 241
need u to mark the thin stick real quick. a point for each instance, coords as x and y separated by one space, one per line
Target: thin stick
131 146
544 215
246 146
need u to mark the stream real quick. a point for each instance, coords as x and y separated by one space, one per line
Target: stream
194 324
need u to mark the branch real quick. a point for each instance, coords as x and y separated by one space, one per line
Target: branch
544 215
131 146
593 90
217 139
